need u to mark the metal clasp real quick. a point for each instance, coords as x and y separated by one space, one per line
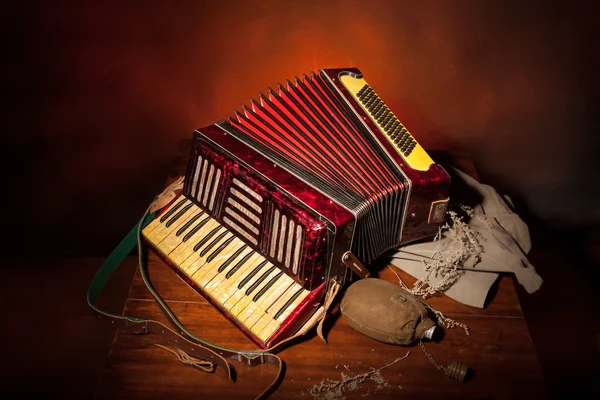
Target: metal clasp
131 323
355 265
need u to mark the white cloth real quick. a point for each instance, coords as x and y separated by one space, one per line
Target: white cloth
504 239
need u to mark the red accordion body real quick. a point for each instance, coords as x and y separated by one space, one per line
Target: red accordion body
276 196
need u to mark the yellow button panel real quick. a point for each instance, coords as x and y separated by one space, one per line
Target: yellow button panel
411 151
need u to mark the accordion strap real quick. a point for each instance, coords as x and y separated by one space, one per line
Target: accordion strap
180 338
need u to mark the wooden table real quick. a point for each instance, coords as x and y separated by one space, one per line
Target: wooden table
499 349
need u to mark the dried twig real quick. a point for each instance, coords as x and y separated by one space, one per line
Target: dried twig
330 389
462 245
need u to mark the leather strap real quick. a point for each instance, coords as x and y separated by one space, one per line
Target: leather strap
182 338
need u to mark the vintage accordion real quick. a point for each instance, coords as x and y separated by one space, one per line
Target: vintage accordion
278 198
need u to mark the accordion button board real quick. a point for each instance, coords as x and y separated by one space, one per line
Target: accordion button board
388 123
278 196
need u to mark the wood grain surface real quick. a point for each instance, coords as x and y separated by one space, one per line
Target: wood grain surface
499 350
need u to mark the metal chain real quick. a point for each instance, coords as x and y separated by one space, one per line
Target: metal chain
438 366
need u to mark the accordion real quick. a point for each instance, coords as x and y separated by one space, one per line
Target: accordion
309 182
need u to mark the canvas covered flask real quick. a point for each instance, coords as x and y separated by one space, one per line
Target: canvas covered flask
386 312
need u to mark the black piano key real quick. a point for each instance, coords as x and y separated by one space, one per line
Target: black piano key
251 274
219 249
213 243
189 223
178 215
259 280
195 229
287 304
172 211
206 238
233 257
240 263
262 291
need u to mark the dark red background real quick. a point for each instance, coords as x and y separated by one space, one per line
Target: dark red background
99 93
96 95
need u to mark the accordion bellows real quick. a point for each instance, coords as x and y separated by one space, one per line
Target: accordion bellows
290 194
305 128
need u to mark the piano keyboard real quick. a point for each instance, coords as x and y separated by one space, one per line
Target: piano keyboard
244 284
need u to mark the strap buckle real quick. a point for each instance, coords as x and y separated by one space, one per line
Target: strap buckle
133 325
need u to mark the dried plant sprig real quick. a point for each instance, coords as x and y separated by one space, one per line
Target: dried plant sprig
446 322
462 245
329 389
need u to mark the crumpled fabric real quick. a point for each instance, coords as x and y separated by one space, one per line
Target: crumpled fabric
505 242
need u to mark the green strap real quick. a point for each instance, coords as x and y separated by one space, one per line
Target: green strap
183 339
111 263
142 325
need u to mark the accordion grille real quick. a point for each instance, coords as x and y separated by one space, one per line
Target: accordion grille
243 210
260 214
286 241
205 182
